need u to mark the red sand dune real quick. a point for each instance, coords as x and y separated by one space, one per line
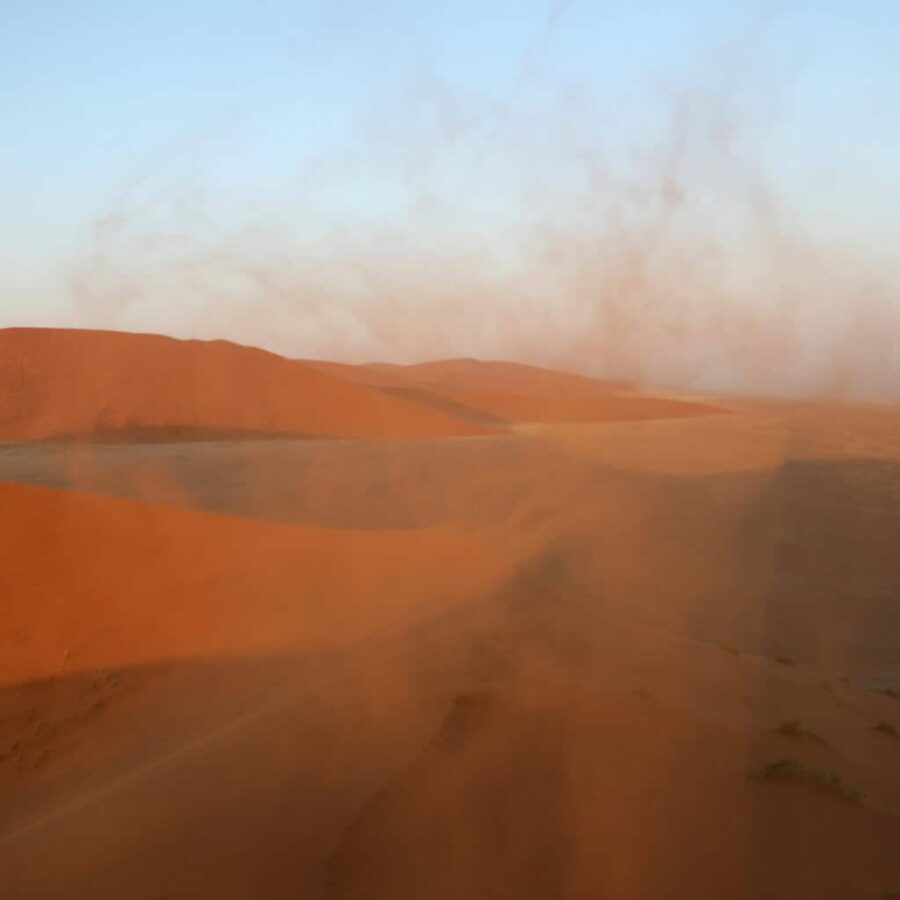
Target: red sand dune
92 581
601 408
70 382
509 378
537 751
561 696
374 374
512 392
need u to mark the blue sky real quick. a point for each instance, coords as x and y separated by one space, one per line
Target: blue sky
146 139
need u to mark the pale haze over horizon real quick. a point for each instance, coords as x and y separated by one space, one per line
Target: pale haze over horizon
697 193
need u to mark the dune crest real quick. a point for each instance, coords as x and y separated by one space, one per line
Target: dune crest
63 383
492 392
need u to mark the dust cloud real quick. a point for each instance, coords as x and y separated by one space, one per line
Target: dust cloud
540 224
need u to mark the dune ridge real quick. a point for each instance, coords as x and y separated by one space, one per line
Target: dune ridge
492 392
61 382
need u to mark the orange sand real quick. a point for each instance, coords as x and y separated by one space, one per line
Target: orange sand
93 582
511 392
551 682
58 382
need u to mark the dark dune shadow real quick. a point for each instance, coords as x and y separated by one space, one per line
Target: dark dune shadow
444 404
816 567
148 434
346 484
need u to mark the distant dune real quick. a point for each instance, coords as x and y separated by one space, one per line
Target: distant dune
491 375
114 386
493 392
64 383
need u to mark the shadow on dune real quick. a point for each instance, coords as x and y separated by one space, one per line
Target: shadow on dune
444 404
343 484
816 568
137 435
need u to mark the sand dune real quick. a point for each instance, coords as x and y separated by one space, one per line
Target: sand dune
494 392
95 582
504 378
616 658
69 383
523 749
658 520
609 407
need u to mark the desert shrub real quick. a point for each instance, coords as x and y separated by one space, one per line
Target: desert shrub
784 660
886 728
787 769
791 728
729 648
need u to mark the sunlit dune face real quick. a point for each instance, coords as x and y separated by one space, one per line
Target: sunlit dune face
95 582
75 383
67 385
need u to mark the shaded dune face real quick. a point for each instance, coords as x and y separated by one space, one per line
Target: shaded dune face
540 663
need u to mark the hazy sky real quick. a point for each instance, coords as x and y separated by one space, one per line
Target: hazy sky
405 179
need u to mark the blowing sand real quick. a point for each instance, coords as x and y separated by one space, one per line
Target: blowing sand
539 659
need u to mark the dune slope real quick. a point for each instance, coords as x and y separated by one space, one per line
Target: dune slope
491 392
624 659
68 382
90 581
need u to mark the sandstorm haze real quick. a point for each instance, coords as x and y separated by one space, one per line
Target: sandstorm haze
685 194
433 456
